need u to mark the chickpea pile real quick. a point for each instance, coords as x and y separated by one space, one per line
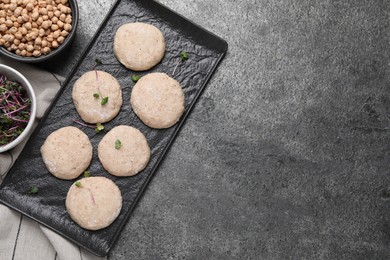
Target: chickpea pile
34 27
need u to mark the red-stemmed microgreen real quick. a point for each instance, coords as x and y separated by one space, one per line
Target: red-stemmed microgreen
98 127
15 110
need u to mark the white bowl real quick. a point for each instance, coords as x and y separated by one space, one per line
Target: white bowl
14 75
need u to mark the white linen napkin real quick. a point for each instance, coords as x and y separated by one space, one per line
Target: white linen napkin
20 237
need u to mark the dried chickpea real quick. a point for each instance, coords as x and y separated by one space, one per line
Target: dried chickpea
62 17
34 16
46 25
54 44
41 32
16 24
28 54
18 36
23 52
60 39
54 27
29 7
34 25
36 53
64 2
30 48
46 50
9 23
64 33
60 24
38 41
17 52
67 27
56 34
43 11
44 43
16 41
45 17
27 26
54 19
50 14
3 27
21 46
57 13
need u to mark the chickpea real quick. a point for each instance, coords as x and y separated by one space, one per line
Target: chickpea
46 24
2 42
38 41
44 43
45 17
2 20
64 2
23 52
27 26
20 19
21 46
36 53
67 27
57 13
30 48
54 27
23 30
50 14
9 23
64 33
26 18
34 16
62 17
34 25
3 13
60 24
43 11
41 32
18 36
46 50
18 12
54 44
39 20
16 41
49 7
17 52
54 19
3 27
29 7
12 7
60 39
56 34
28 54
13 30
16 24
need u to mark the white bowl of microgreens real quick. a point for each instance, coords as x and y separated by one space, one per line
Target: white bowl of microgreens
18 108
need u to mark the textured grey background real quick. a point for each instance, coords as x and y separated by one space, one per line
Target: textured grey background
285 155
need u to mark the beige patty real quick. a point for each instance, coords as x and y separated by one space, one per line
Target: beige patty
90 107
139 46
158 100
95 203
130 158
67 152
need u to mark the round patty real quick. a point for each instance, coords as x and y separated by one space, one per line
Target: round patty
94 202
124 151
90 90
67 152
158 100
139 46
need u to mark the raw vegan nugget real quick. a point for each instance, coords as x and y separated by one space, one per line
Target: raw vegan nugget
67 152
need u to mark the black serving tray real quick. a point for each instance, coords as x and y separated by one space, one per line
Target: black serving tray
205 51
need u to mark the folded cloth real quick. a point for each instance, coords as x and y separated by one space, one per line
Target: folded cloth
21 237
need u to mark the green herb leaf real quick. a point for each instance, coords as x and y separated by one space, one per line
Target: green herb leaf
87 174
98 62
33 190
118 144
99 128
184 55
96 95
135 78
104 101
78 184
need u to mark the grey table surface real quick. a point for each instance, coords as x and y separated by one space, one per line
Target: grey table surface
285 155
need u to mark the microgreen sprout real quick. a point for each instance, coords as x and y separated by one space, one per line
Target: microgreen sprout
104 101
96 95
33 190
184 57
135 78
87 174
118 144
14 110
78 184
98 127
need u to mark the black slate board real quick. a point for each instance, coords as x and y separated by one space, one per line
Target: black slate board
205 51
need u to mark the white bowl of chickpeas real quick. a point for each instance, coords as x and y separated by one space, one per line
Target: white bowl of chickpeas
36 30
